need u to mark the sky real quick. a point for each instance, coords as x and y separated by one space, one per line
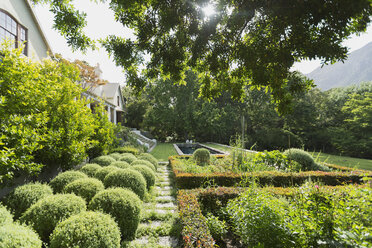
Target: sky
101 23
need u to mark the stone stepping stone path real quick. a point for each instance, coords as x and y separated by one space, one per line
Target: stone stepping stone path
159 216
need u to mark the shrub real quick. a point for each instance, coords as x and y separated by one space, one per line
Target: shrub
85 188
128 157
90 169
5 216
144 162
300 156
258 219
126 149
218 228
147 173
103 160
45 214
127 179
115 155
102 173
22 197
86 230
64 178
123 205
120 164
201 156
150 158
18 236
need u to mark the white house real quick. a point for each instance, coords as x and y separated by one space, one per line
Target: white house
19 23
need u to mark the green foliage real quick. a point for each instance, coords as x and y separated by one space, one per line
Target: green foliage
150 158
201 156
86 188
120 164
126 149
127 178
86 230
218 228
128 157
64 178
123 205
45 214
102 173
303 158
144 162
258 219
18 236
147 173
115 155
103 160
22 197
90 169
5 216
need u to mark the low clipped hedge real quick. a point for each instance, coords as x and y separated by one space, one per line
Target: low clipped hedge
102 173
64 178
18 236
150 158
127 178
44 215
269 178
103 160
86 188
144 162
126 149
120 164
195 231
90 169
86 230
128 157
123 205
147 173
5 216
22 197
115 155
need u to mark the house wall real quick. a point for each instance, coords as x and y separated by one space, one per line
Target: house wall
19 9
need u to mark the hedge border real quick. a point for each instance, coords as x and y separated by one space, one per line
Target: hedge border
266 178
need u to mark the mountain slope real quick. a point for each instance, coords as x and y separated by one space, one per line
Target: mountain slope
356 69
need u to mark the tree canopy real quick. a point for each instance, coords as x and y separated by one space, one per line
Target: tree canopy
244 43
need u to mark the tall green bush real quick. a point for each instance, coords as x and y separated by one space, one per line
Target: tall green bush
86 230
22 197
201 156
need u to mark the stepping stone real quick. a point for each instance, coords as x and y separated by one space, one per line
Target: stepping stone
142 241
164 193
166 197
153 223
164 211
168 241
166 188
165 205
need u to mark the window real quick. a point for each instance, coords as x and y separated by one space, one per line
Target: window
118 101
11 29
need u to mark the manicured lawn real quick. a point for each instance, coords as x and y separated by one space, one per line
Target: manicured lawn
365 164
163 150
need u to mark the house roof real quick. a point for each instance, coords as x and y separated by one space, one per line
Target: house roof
110 89
38 26
106 92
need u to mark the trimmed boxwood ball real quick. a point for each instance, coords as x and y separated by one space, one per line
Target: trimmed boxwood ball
18 236
5 216
85 188
127 157
127 178
147 173
64 178
44 215
115 155
103 160
120 164
123 205
201 156
102 173
22 197
90 169
126 149
300 156
86 230
144 162
150 158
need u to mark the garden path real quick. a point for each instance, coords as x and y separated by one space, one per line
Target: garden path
159 225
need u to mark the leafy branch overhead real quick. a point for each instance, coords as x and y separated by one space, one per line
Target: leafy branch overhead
244 43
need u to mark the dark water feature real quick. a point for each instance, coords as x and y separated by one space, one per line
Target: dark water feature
189 149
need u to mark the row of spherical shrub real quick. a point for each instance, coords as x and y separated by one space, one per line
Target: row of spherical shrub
62 220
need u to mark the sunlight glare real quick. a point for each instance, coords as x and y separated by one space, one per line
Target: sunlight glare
209 10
